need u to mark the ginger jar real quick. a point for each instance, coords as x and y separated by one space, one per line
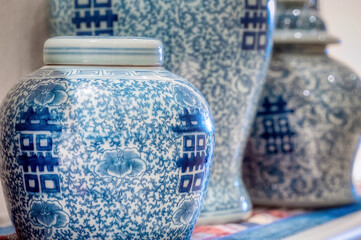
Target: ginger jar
103 142
304 140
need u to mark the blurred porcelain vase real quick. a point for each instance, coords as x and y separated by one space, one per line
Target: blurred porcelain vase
96 144
308 126
222 47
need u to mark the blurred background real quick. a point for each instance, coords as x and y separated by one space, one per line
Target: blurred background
23 25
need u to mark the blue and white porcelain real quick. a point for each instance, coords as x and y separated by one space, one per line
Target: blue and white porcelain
104 143
308 126
222 47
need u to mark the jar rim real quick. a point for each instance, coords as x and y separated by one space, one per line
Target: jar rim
103 50
303 37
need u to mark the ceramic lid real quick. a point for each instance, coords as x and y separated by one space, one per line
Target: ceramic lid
103 51
299 21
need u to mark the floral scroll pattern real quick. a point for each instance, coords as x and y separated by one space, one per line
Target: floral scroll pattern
116 154
324 97
205 42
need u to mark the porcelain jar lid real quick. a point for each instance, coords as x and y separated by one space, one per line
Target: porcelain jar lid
126 51
299 22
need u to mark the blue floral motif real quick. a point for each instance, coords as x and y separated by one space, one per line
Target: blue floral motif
121 163
48 214
51 94
184 97
185 213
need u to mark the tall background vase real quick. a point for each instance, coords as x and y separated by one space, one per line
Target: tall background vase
222 47
304 140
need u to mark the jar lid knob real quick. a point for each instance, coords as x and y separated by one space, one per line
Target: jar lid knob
126 51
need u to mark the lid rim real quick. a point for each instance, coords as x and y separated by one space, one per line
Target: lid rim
114 51
303 37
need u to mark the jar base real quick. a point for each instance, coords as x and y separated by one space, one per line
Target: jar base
222 217
301 204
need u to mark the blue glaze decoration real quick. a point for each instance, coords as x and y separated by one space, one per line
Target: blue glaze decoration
36 128
93 14
304 139
48 214
223 49
321 131
94 152
121 163
195 155
277 132
185 212
48 94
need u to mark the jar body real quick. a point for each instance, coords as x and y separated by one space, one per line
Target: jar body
219 49
99 152
305 136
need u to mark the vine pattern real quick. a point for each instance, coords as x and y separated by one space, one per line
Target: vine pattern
117 149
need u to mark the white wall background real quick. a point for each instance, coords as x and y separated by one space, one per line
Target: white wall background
343 20
23 32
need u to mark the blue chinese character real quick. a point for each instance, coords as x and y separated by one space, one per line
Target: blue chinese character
36 145
277 131
192 163
255 23
88 13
